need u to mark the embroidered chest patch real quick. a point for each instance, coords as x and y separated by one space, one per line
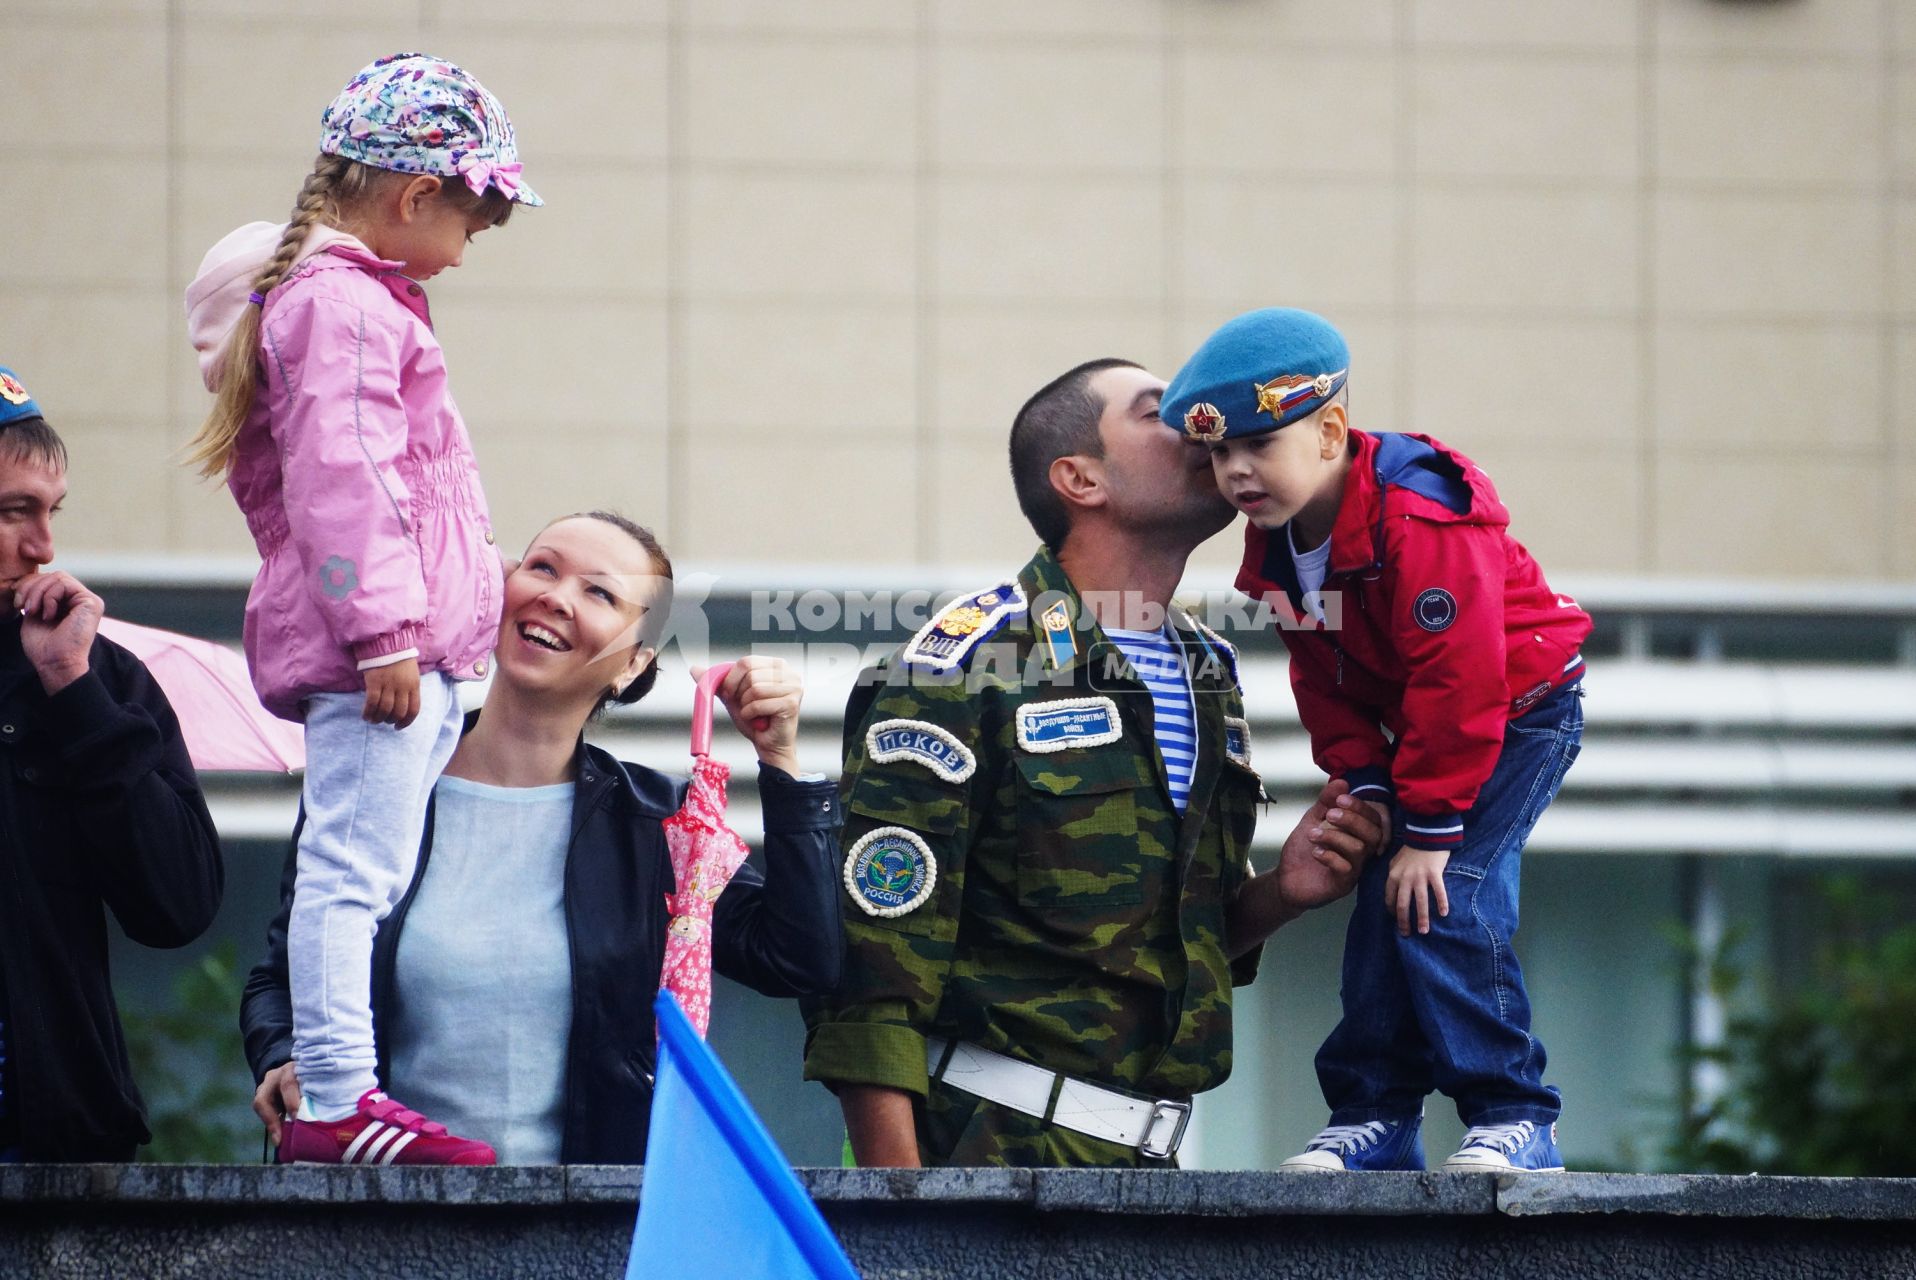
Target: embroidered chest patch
890 871
922 744
1435 609
1068 723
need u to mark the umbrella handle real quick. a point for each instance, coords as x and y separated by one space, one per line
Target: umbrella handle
702 709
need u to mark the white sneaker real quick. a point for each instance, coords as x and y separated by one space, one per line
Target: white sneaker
1522 1147
1370 1147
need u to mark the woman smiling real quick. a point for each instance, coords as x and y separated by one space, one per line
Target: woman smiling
513 980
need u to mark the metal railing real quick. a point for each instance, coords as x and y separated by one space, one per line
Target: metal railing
1766 719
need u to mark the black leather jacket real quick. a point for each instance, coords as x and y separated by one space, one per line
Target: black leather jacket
781 936
99 808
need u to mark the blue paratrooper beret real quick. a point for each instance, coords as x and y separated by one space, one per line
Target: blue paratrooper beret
15 403
1258 372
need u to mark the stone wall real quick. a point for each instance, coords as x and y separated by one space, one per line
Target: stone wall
1648 262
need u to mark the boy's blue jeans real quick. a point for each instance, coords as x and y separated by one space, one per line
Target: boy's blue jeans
1446 1010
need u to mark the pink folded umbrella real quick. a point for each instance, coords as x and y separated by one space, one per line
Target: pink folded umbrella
705 854
221 718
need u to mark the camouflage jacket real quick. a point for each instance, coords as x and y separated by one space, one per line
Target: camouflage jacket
1016 874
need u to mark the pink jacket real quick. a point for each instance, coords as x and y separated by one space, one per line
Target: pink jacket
359 485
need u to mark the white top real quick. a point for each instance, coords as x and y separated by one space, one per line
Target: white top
1312 566
483 973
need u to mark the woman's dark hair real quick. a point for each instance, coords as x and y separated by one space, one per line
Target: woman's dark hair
657 609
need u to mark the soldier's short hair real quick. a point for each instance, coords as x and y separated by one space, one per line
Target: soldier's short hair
1060 421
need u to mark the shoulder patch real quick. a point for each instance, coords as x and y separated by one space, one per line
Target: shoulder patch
1237 741
922 744
1435 609
1224 647
1065 723
956 630
890 871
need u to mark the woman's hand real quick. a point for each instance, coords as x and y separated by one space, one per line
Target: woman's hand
762 695
276 1098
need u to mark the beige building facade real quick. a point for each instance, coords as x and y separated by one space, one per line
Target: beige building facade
1651 262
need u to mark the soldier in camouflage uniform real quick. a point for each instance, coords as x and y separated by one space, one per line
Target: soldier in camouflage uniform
1019 879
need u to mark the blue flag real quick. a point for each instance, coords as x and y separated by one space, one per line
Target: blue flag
719 1200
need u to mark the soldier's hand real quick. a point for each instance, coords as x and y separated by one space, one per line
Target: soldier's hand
58 620
1320 863
1326 851
1380 813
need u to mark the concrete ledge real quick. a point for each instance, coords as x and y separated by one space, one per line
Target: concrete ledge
1155 1193
175 1222
1683 1195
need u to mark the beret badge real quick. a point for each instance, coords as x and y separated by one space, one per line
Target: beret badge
1277 396
1203 422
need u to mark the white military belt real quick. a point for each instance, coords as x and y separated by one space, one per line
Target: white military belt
1152 1128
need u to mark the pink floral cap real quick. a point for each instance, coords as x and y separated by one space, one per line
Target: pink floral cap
414 113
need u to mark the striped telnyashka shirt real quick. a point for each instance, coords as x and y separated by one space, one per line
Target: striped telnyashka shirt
1159 661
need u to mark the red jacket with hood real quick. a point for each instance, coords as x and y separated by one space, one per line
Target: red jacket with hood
1439 630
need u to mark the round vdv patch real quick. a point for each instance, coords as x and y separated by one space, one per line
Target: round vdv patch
1435 609
890 871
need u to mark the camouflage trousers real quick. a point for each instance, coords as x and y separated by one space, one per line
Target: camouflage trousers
959 1128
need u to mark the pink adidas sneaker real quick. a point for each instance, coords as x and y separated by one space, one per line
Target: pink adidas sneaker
383 1132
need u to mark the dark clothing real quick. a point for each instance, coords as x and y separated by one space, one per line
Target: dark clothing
9 1141
779 936
99 807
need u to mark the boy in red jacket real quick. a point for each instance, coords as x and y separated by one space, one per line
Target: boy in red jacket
1438 674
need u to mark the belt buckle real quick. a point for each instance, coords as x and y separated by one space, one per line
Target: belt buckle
1179 1114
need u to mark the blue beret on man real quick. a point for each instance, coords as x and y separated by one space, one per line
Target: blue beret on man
1258 372
15 403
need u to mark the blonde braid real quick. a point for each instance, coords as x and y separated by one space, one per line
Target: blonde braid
212 448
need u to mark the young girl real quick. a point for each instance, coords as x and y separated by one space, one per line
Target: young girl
379 585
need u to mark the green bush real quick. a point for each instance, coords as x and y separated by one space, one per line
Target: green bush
189 1063
1823 1082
